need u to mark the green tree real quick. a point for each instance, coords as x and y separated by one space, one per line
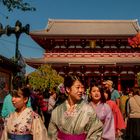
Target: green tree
17 4
45 77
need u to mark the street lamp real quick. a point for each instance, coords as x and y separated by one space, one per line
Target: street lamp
17 30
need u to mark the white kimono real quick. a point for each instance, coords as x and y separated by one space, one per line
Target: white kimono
26 123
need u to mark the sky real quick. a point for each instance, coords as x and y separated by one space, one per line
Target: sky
59 9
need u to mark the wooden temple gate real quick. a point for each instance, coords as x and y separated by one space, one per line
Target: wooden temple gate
95 49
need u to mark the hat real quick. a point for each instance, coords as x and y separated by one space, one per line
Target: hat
109 82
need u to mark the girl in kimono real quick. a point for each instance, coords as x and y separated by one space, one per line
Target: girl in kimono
118 118
23 124
97 101
74 119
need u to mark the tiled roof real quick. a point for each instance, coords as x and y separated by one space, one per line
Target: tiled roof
8 64
105 59
89 27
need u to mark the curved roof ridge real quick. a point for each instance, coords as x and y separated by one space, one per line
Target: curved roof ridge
91 20
89 27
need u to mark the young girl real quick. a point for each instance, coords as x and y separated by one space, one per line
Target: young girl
97 101
74 119
23 124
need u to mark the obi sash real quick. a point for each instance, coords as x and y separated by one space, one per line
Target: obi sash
20 137
64 136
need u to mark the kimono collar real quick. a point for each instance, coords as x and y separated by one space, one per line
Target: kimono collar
68 105
72 110
75 105
95 105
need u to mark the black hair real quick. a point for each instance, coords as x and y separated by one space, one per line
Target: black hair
103 100
24 91
70 79
136 91
107 91
46 94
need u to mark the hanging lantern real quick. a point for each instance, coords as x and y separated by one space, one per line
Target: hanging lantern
92 43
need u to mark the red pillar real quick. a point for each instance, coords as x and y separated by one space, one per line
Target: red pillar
119 83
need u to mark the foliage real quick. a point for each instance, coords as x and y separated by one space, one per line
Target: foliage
17 4
134 41
44 78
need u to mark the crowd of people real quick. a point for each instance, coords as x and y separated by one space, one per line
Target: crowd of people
101 114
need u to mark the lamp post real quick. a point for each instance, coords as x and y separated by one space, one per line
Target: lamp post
17 30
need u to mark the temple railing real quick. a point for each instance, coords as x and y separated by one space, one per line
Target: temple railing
87 55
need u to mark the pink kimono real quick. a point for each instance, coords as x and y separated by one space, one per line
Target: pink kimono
105 115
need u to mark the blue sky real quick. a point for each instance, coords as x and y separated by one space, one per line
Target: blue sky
60 9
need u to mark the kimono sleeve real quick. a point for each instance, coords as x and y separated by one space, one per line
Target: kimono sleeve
108 127
52 130
4 133
118 118
94 128
38 129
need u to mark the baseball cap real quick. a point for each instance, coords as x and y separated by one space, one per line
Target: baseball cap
109 82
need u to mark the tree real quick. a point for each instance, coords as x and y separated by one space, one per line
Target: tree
17 4
135 41
45 78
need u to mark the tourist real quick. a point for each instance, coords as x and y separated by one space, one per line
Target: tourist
118 118
127 108
74 119
23 123
123 101
115 96
52 100
133 124
51 105
8 107
98 103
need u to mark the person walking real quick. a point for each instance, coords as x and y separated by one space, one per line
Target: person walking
123 102
74 119
51 105
119 122
23 123
115 96
133 122
8 106
104 113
